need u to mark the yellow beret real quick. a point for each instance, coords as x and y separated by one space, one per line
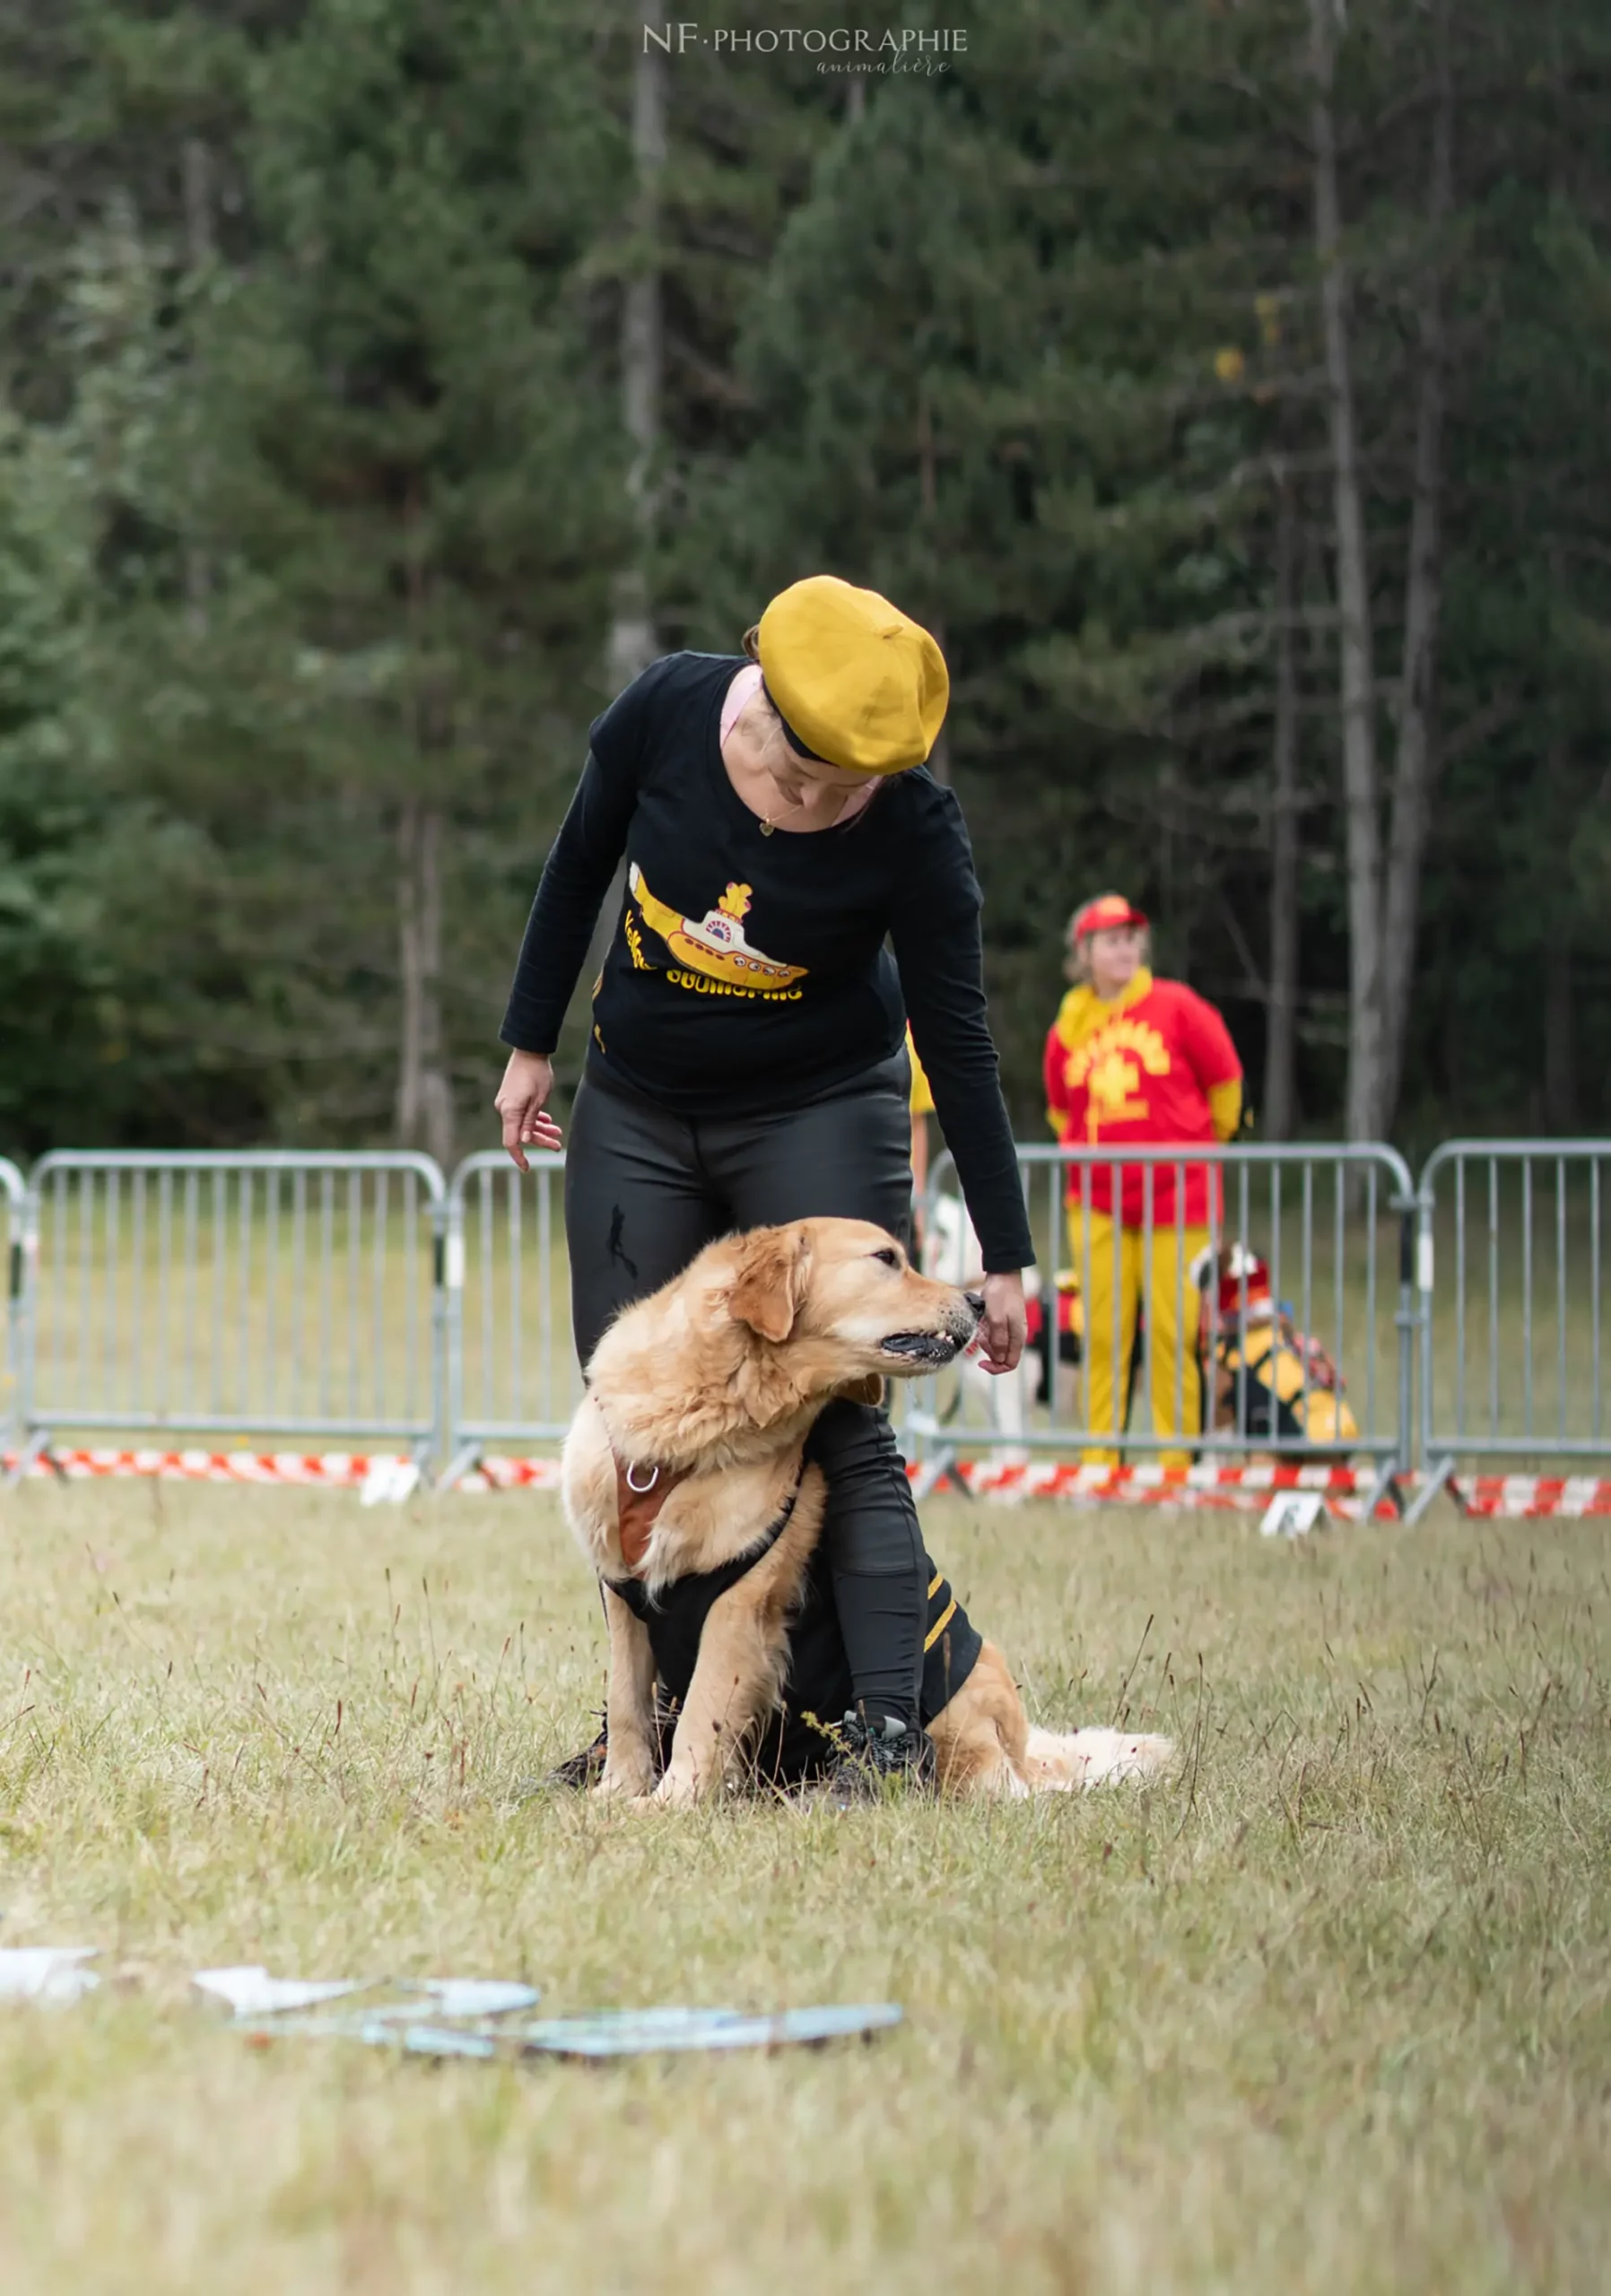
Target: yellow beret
858 683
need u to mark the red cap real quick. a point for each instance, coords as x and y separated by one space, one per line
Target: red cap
1105 914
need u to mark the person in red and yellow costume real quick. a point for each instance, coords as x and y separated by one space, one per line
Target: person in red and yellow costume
1131 1058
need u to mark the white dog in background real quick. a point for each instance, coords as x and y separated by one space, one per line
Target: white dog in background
952 1254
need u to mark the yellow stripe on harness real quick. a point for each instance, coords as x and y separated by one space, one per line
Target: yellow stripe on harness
940 1624
935 1584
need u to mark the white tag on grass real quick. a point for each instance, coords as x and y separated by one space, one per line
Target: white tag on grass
1292 1514
389 1482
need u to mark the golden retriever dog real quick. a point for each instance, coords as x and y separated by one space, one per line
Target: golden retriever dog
686 1481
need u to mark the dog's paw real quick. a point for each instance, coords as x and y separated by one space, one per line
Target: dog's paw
678 1790
626 1784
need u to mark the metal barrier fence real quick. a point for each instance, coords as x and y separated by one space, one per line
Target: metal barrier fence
1313 1277
13 1191
509 1378
1513 1302
261 1293
361 1297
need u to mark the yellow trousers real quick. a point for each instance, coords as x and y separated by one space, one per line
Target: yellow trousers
1111 1265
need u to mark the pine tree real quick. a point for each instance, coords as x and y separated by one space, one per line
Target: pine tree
406 509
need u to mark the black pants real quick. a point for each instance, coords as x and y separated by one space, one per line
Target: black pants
645 1191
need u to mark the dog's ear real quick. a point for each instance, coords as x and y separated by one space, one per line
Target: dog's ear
773 1264
869 1390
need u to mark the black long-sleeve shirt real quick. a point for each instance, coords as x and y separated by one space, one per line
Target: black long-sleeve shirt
748 974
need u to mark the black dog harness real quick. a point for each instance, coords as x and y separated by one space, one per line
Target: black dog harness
796 1741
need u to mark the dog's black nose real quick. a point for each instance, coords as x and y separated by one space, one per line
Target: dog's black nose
976 1301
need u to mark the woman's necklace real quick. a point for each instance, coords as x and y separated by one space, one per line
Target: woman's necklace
767 824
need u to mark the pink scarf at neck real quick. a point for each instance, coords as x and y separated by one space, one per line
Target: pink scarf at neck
747 683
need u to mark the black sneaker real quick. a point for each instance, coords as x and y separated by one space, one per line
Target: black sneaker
870 1755
580 1770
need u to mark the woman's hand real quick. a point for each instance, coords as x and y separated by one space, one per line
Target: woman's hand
1005 1321
522 1100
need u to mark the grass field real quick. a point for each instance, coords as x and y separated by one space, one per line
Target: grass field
1329 2009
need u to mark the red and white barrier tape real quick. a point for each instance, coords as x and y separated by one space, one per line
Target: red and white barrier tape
326 1470
1156 1486
1508 1495
1207 1488
1248 1489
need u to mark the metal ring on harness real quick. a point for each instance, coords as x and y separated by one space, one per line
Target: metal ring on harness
641 1488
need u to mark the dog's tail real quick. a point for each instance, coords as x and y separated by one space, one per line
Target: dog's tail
1091 1758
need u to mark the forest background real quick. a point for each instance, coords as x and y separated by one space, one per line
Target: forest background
1225 381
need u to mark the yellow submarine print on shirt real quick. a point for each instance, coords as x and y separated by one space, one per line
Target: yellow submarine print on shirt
716 946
